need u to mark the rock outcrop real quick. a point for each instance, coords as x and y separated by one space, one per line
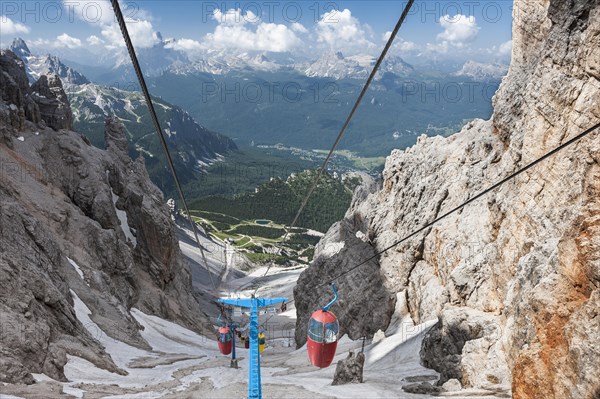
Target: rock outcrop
45 101
514 278
77 220
349 370
53 104
342 248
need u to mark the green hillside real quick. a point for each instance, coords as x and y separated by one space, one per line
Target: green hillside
278 200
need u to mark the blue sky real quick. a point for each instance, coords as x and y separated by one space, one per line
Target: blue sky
463 29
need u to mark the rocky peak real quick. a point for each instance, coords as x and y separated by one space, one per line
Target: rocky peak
115 139
53 65
15 84
53 102
19 47
36 66
13 91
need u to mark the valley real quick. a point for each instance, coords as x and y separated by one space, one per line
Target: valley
449 248
266 118
307 112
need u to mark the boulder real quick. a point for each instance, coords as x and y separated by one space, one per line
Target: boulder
350 369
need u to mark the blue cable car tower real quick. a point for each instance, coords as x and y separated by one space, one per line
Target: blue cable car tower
254 384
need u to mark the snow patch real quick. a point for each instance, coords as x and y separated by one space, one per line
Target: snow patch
179 339
21 138
77 268
79 370
141 395
42 377
176 339
122 215
69 390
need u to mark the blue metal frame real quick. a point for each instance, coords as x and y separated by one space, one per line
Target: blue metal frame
254 383
232 327
335 298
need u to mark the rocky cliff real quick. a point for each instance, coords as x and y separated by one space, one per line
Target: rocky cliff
513 278
76 220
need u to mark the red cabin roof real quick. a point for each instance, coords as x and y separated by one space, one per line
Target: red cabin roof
324 317
223 330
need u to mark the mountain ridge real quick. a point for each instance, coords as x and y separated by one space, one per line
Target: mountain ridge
195 146
77 221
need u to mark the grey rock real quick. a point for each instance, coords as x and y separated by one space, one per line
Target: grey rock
335 254
53 103
61 198
422 388
115 139
14 70
421 378
13 90
350 369
443 347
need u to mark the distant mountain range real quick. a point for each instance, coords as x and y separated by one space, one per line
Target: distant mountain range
336 66
163 57
269 98
35 66
193 146
481 72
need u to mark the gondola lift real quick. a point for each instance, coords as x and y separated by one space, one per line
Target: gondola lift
322 334
225 340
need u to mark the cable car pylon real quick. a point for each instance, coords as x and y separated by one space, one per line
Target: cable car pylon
253 303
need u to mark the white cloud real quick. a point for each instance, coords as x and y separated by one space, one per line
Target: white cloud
65 40
298 27
458 30
100 13
141 32
341 31
8 27
186 45
505 48
94 40
61 41
235 32
400 43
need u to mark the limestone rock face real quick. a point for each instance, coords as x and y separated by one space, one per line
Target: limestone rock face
13 90
364 304
52 101
514 277
77 221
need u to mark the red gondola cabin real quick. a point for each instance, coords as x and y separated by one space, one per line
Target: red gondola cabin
225 341
323 328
